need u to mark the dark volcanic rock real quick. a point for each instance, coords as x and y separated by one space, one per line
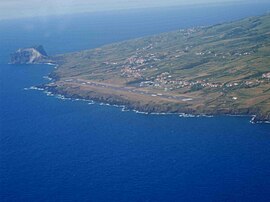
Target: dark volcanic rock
150 107
32 55
261 118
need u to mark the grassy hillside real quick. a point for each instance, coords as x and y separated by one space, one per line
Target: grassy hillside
221 69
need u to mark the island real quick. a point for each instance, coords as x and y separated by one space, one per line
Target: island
31 55
222 69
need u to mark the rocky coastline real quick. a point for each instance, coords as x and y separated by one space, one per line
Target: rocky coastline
31 55
37 55
189 71
156 108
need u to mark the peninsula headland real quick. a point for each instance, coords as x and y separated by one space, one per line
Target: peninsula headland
216 70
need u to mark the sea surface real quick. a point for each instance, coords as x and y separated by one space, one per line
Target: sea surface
66 150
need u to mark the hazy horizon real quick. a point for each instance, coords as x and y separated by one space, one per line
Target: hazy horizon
12 9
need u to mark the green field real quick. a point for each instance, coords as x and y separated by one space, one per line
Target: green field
221 69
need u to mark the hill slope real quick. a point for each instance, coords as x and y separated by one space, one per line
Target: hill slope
221 69
32 55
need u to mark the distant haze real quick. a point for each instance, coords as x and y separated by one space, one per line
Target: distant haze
29 8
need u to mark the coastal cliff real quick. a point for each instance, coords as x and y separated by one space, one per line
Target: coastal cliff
223 69
31 55
155 106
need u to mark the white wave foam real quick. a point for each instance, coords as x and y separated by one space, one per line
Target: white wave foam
187 115
139 112
34 88
47 77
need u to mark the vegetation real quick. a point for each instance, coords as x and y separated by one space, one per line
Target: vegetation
221 69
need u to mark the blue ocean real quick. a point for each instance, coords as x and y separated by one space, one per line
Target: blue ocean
67 150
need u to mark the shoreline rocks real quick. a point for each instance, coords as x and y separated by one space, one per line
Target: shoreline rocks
159 108
31 55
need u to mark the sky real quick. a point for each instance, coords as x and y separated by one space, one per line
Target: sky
30 8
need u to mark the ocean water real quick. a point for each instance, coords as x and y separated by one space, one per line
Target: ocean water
63 150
